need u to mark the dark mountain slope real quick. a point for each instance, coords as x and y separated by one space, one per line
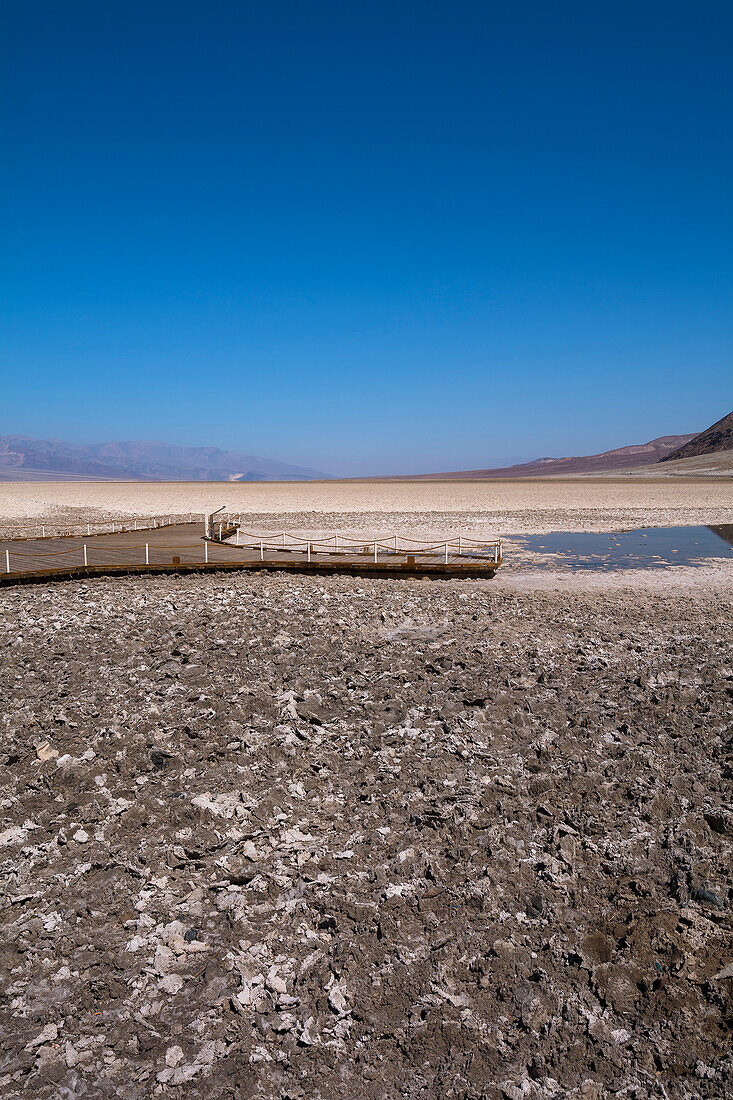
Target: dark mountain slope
718 437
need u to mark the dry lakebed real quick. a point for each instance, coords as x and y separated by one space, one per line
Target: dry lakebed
280 837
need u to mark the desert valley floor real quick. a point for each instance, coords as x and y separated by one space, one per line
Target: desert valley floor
292 837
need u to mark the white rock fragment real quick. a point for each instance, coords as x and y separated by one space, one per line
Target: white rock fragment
260 1054
251 992
49 1033
164 959
223 805
336 996
11 836
307 1035
172 983
81 836
46 751
173 1056
275 982
180 1075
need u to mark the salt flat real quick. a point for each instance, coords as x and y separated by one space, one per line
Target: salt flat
491 507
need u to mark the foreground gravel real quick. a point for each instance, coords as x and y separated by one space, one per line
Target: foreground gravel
285 837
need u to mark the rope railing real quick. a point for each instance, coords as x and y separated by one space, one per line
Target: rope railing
340 542
225 520
76 530
287 542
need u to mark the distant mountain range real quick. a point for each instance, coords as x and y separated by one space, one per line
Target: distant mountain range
622 458
46 459
718 437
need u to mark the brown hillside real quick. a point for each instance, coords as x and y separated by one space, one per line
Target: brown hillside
718 437
622 458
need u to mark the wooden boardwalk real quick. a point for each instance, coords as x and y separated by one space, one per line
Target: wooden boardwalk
182 549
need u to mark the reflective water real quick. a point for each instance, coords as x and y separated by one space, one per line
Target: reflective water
646 548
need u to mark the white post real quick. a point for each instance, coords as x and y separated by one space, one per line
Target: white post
459 545
446 553
375 551
43 532
206 552
136 525
262 551
147 554
7 561
219 532
394 540
89 530
85 555
309 551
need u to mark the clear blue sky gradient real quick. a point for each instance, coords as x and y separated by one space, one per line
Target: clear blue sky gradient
367 237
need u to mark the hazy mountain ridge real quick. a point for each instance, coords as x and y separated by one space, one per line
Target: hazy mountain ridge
141 462
621 458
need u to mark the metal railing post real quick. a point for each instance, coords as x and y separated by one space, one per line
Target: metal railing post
7 561
206 551
375 552
43 532
262 551
309 551
446 553
459 545
85 555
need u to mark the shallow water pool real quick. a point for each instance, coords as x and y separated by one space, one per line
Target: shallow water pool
645 548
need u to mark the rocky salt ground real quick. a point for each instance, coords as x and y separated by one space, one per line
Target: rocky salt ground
281 837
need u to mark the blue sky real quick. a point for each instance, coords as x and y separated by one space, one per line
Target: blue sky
367 237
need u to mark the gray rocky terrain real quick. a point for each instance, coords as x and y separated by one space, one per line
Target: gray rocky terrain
279 837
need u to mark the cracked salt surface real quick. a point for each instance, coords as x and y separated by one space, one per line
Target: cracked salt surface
273 837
